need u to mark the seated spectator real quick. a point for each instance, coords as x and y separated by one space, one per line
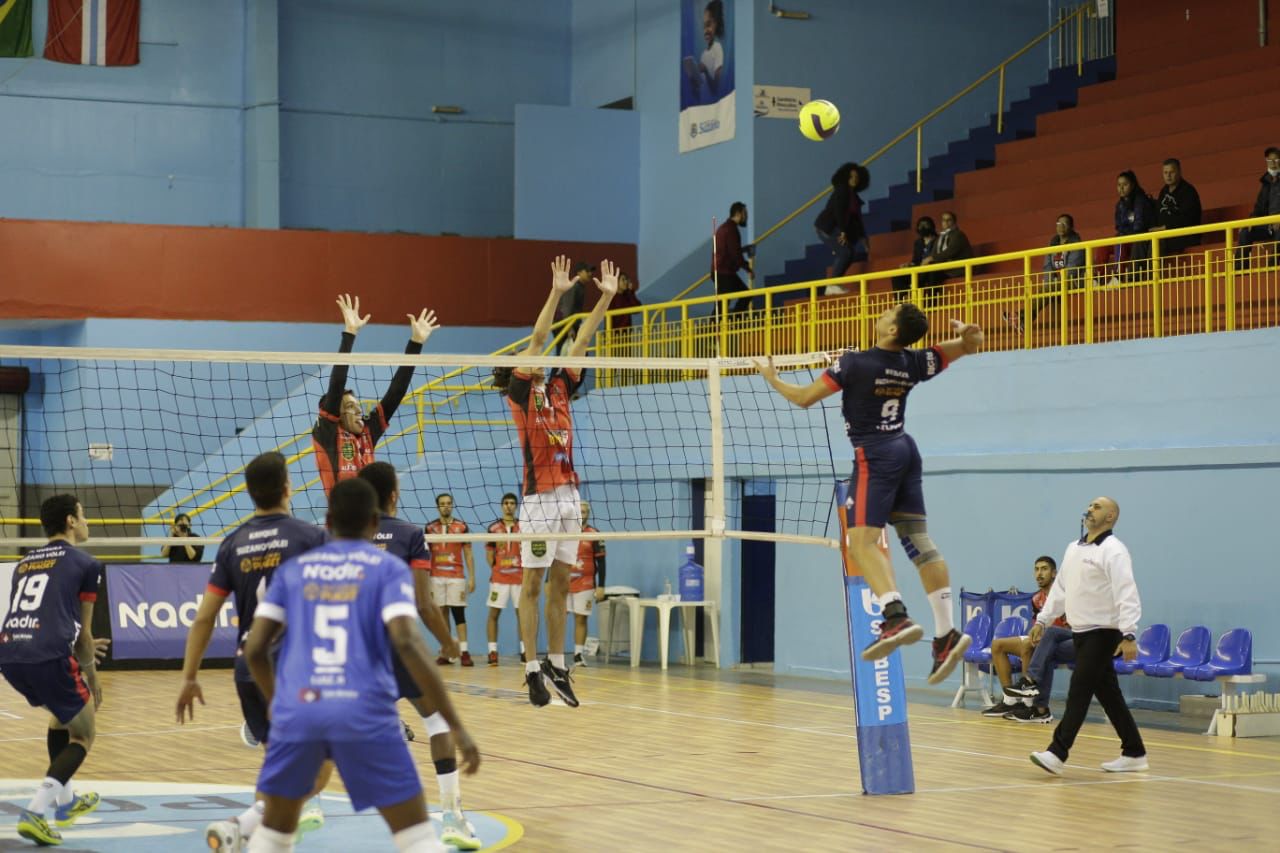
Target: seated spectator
1178 207
1065 262
926 233
1267 204
1055 646
181 528
1135 214
951 245
625 298
839 225
1046 569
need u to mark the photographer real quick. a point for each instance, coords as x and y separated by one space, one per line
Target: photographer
181 527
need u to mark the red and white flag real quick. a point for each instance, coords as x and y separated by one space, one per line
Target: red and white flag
93 32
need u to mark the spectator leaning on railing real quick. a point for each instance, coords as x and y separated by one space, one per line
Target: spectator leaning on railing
1135 214
1069 260
952 245
1267 204
926 234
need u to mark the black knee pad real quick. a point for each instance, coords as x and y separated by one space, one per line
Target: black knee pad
459 615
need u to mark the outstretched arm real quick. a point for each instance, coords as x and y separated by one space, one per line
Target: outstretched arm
968 340
352 323
420 328
608 284
560 283
803 396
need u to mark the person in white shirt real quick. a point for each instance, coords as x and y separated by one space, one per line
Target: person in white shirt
1096 591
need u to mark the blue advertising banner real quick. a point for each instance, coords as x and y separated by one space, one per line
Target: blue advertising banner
153 606
706 73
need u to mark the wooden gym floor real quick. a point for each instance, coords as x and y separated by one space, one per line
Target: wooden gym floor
719 760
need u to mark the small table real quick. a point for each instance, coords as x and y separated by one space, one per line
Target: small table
636 608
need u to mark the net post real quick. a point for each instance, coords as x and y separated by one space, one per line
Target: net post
715 523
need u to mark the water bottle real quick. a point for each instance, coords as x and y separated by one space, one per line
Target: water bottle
691 575
666 589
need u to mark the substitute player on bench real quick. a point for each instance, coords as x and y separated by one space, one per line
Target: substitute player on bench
887 484
540 407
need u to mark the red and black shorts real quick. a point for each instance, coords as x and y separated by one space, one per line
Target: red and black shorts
887 479
56 684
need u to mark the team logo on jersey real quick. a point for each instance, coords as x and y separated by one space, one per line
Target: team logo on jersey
538 548
309 695
348 450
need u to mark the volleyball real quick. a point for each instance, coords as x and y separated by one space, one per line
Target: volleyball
819 120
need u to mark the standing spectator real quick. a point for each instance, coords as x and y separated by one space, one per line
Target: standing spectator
926 234
181 529
1179 207
449 587
1070 262
626 298
505 574
586 585
574 299
1096 591
951 245
1135 214
840 225
731 256
1267 204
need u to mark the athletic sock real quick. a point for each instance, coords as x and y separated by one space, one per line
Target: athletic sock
888 598
557 660
940 601
65 795
250 819
45 796
267 840
449 793
1006 699
522 647
493 647
532 666
416 839
462 646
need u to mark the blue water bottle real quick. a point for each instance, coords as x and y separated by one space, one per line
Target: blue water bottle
690 578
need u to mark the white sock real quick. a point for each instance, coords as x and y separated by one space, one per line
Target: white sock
493 647
45 796
66 795
449 793
888 598
417 839
579 650
1006 699
462 646
250 819
532 666
267 840
940 601
522 647
556 660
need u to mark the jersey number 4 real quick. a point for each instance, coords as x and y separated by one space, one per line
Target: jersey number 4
328 629
29 593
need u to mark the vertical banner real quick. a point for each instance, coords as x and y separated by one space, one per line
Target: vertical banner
153 606
879 688
706 73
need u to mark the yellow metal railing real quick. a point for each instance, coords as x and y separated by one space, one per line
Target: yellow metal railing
1078 18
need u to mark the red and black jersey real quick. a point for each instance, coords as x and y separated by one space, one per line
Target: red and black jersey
545 425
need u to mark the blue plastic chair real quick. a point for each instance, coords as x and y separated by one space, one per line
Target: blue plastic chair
1012 626
979 629
1233 656
1192 650
1153 647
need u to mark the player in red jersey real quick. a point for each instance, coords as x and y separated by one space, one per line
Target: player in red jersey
343 437
505 574
540 408
449 585
586 585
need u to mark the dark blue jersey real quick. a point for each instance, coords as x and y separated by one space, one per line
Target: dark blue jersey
405 540
43 621
251 554
875 385
334 679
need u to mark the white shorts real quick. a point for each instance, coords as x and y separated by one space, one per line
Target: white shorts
501 593
580 602
449 592
556 511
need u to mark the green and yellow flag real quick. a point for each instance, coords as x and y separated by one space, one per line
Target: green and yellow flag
15 27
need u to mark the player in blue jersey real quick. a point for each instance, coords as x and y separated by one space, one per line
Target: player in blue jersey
343 609
886 486
405 540
47 655
244 565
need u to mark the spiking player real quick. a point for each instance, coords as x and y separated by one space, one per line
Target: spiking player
540 408
505 574
404 539
246 561
887 485
343 438
586 585
343 608
47 655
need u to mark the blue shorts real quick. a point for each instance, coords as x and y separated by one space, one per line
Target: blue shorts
887 478
56 684
377 773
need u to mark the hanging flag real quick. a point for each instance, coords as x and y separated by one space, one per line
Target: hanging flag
15 27
93 32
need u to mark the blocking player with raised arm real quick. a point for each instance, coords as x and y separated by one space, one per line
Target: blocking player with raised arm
540 407
47 655
343 437
586 585
449 585
505 574
404 539
343 609
886 486
244 566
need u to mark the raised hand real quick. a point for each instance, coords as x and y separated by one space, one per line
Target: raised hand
352 322
560 281
421 326
608 281
970 333
766 368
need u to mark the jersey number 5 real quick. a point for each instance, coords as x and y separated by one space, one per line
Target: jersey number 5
29 593
327 615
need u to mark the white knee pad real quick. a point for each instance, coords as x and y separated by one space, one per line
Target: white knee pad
913 533
436 725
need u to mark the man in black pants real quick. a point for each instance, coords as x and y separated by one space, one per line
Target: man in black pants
731 256
1096 590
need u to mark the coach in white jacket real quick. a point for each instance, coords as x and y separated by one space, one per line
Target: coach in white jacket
1096 590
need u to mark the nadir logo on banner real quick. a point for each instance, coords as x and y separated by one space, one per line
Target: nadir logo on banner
163 614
